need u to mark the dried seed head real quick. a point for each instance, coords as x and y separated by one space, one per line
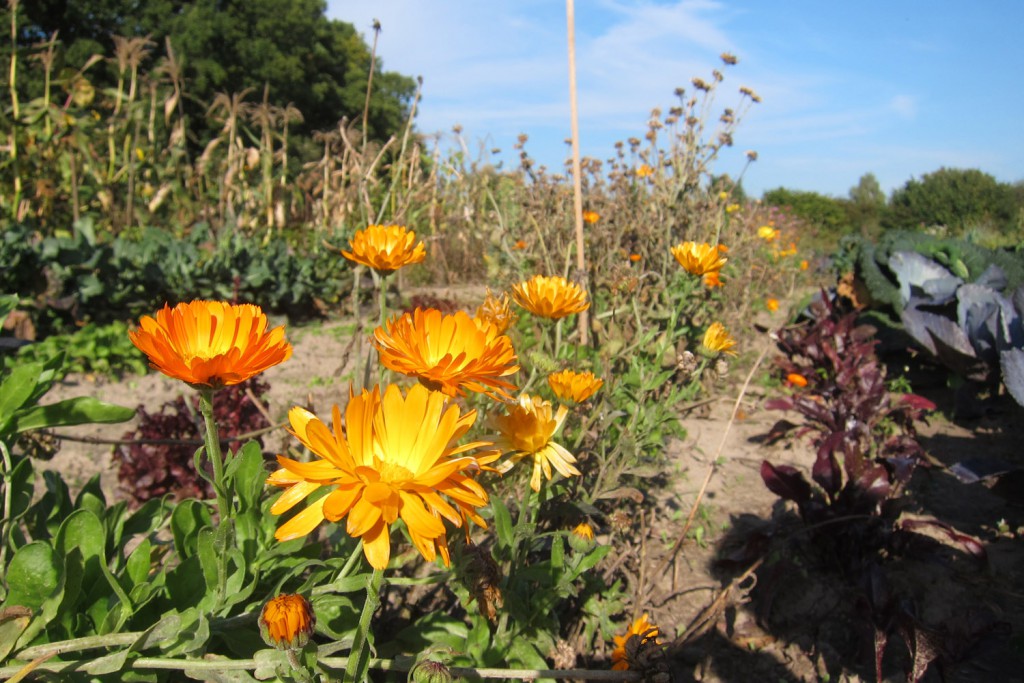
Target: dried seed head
700 84
729 58
752 155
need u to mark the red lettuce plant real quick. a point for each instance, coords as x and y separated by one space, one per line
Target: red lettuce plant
160 461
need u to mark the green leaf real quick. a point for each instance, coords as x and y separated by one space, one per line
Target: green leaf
557 553
91 498
13 621
188 518
72 411
246 474
502 522
33 575
22 487
83 530
137 567
16 390
209 559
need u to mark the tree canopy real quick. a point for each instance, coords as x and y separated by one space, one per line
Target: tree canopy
959 199
317 64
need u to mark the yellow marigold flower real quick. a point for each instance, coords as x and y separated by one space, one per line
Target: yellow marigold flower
796 380
712 280
497 312
394 459
643 629
210 343
723 195
591 217
385 248
643 171
574 386
527 430
584 530
771 304
767 233
448 353
287 621
698 258
732 208
550 297
717 340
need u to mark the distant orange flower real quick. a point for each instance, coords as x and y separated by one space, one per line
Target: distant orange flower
796 380
642 629
569 385
520 244
635 258
772 304
287 621
392 457
804 265
550 297
712 280
591 217
385 248
210 343
497 311
448 353
643 171
698 258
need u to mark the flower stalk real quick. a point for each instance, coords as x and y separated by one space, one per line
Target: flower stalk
213 452
358 662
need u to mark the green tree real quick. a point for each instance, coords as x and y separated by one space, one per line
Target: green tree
959 199
867 205
318 65
827 213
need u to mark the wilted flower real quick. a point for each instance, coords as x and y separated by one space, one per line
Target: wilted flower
550 297
210 343
591 217
717 340
644 631
698 258
497 311
287 621
385 248
448 353
527 430
393 459
569 385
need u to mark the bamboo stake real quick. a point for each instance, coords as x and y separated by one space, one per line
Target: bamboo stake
577 181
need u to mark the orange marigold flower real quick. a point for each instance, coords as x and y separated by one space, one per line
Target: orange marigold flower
394 459
698 258
210 343
635 258
385 248
574 386
550 297
717 340
581 538
497 311
520 244
591 217
584 530
771 304
526 430
645 631
796 380
804 265
643 171
448 353
287 621
712 280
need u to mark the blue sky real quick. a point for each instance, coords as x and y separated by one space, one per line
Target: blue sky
897 88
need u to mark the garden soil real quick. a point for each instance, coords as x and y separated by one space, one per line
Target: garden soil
726 622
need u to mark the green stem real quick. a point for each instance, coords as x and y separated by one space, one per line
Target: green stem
358 661
5 529
213 452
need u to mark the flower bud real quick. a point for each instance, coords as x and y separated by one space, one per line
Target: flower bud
287 622
430 671
581 539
